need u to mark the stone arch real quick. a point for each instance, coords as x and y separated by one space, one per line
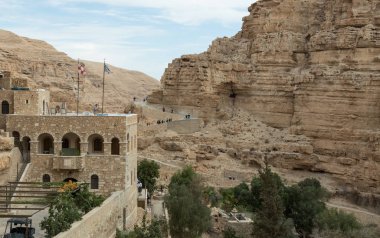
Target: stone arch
74 180
94 181
5 107
45 144
46 178
70 144
115 146
95 144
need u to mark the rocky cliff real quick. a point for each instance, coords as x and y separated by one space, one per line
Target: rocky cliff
45 67
310 66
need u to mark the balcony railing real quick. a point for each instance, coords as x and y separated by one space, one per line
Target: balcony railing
68 162
70 152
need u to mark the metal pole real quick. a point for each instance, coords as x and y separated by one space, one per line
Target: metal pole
78 91
104 75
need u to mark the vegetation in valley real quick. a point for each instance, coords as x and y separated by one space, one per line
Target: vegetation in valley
279 210
71 203
189 217
148 173
156 229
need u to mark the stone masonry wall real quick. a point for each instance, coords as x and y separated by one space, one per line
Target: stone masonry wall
30 102
103 221
116 172
8 96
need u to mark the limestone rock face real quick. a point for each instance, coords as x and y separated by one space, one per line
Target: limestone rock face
312 66
45 67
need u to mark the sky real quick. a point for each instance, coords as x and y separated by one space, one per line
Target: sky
143 35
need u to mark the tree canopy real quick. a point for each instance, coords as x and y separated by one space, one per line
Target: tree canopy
189 217
270 220
148 172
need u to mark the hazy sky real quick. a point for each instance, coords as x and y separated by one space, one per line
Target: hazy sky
142 35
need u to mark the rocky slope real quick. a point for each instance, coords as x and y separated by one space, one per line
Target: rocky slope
45 67
310 66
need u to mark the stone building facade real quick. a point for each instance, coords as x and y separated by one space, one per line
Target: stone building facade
100 150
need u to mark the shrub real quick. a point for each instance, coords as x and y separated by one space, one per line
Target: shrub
335 220
68 207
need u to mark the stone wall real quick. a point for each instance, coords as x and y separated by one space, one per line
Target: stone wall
3 122
103 221
26 102
109 169
115 171
185 126
31 102
7 95
5 80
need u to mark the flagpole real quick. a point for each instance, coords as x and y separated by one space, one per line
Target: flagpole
78 91
104 75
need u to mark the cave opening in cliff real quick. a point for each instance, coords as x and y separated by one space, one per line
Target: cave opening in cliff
232 91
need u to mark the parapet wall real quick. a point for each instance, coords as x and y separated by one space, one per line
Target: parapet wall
103 221
185 126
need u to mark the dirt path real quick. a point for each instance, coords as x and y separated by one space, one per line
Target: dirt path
163 163
363 215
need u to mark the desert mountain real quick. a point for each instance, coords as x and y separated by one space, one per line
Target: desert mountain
309 67
45 67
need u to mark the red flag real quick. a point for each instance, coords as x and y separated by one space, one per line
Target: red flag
81 69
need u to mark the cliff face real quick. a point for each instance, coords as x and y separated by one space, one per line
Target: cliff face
311 66
45 67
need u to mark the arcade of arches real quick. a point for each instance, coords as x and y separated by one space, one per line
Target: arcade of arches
70 144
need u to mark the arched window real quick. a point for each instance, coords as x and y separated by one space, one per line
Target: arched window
70 144
46 144
46 178
115 146
98 145
5 107
65 143
95 144
94 181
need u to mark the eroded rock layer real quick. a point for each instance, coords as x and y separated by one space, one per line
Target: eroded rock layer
312 66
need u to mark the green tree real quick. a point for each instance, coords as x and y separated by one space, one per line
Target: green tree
86 200
243 196
68 207
62 213
335 220
304 202
229 200
256 188
148 172
189 216
211 197
270 220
